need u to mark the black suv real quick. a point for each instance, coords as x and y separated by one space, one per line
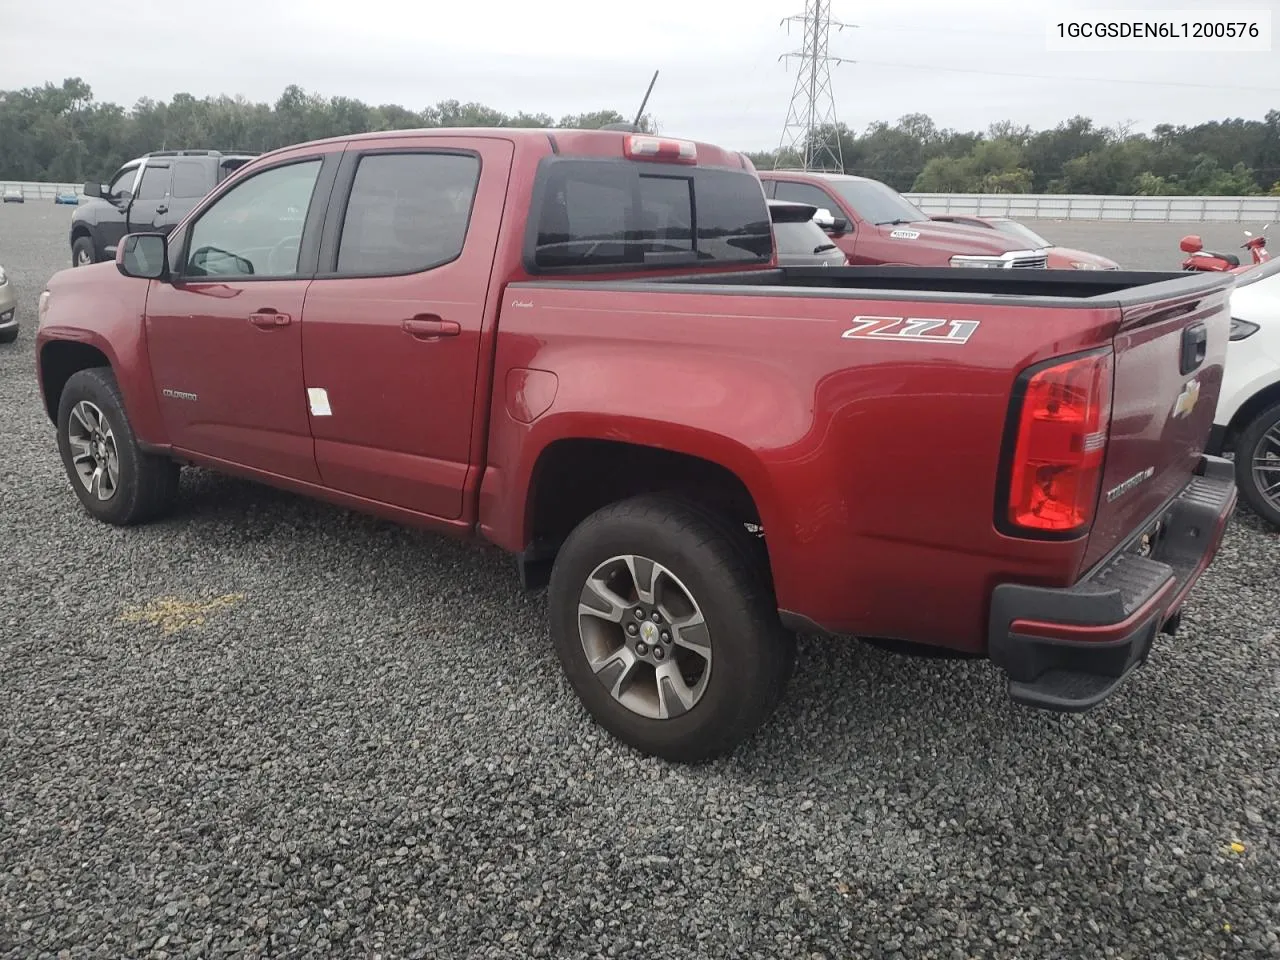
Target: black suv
150 193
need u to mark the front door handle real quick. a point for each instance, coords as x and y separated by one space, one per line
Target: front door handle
270 318
430 327
163 208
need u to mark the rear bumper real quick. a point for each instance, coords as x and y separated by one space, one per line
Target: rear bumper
1069 649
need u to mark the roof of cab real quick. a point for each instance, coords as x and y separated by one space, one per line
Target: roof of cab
564 141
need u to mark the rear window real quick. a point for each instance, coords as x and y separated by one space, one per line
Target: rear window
601 214
804 237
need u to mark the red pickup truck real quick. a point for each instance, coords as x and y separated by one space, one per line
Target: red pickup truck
874 224
577 346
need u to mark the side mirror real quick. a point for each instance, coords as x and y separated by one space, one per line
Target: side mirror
831 223
92 189
144 256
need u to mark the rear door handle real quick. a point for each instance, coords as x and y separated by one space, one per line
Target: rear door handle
430 328
270 318
163 208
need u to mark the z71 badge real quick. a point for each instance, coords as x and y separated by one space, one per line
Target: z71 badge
918 329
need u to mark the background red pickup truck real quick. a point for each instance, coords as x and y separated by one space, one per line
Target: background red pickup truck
576 346
874 224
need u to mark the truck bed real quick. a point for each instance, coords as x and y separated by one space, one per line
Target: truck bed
885 399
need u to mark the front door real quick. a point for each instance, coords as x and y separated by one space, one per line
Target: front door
112 220
225 334
391 333
151 199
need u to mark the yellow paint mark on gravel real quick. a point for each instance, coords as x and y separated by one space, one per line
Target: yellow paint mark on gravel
173 614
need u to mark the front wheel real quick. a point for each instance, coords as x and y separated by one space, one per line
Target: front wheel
82 252
115 480
664 621
1258 464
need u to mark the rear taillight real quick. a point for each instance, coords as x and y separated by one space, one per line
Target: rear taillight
660 148
1063 415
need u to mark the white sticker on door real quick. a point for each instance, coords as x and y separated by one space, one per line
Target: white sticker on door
318 397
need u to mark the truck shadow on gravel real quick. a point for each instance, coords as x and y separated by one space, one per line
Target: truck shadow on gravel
852 712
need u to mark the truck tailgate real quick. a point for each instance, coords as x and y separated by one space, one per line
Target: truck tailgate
1169 359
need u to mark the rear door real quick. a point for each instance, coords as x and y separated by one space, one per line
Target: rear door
193 178
1169 359
392 322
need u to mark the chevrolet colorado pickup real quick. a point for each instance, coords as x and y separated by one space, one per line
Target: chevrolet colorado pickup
578 346
151 192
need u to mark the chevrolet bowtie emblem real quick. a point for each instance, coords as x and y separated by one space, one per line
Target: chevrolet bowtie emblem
1187 399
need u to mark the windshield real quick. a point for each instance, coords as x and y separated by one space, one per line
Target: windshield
1014 229
877 203
1263 270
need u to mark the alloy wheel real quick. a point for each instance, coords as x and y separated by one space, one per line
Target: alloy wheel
93 450
645 637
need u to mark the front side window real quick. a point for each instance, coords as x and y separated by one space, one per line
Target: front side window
408 212
805 193
122 185
606 213
155 183
255 228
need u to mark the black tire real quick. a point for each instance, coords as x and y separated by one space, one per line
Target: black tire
1246 448
146 486
752 656
82 248
8 336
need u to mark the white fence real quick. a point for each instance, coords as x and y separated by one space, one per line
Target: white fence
1061 206
1030 206
42 191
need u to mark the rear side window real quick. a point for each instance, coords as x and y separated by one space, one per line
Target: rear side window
594 214
190 179
408 212
805 237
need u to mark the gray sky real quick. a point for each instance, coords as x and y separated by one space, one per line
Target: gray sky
721 79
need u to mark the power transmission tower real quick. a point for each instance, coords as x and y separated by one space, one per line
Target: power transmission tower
811 119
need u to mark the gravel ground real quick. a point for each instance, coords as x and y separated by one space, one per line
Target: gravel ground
267 727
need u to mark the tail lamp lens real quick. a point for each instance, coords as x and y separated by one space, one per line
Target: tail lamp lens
1061 443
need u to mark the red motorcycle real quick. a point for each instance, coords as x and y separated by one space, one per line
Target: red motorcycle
1201 259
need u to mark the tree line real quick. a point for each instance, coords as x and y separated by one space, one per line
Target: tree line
59 132
1223 158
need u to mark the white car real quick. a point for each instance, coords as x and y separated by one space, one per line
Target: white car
1247 421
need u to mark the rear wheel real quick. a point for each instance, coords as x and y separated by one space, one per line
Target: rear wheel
1258 464
664 621
115 480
